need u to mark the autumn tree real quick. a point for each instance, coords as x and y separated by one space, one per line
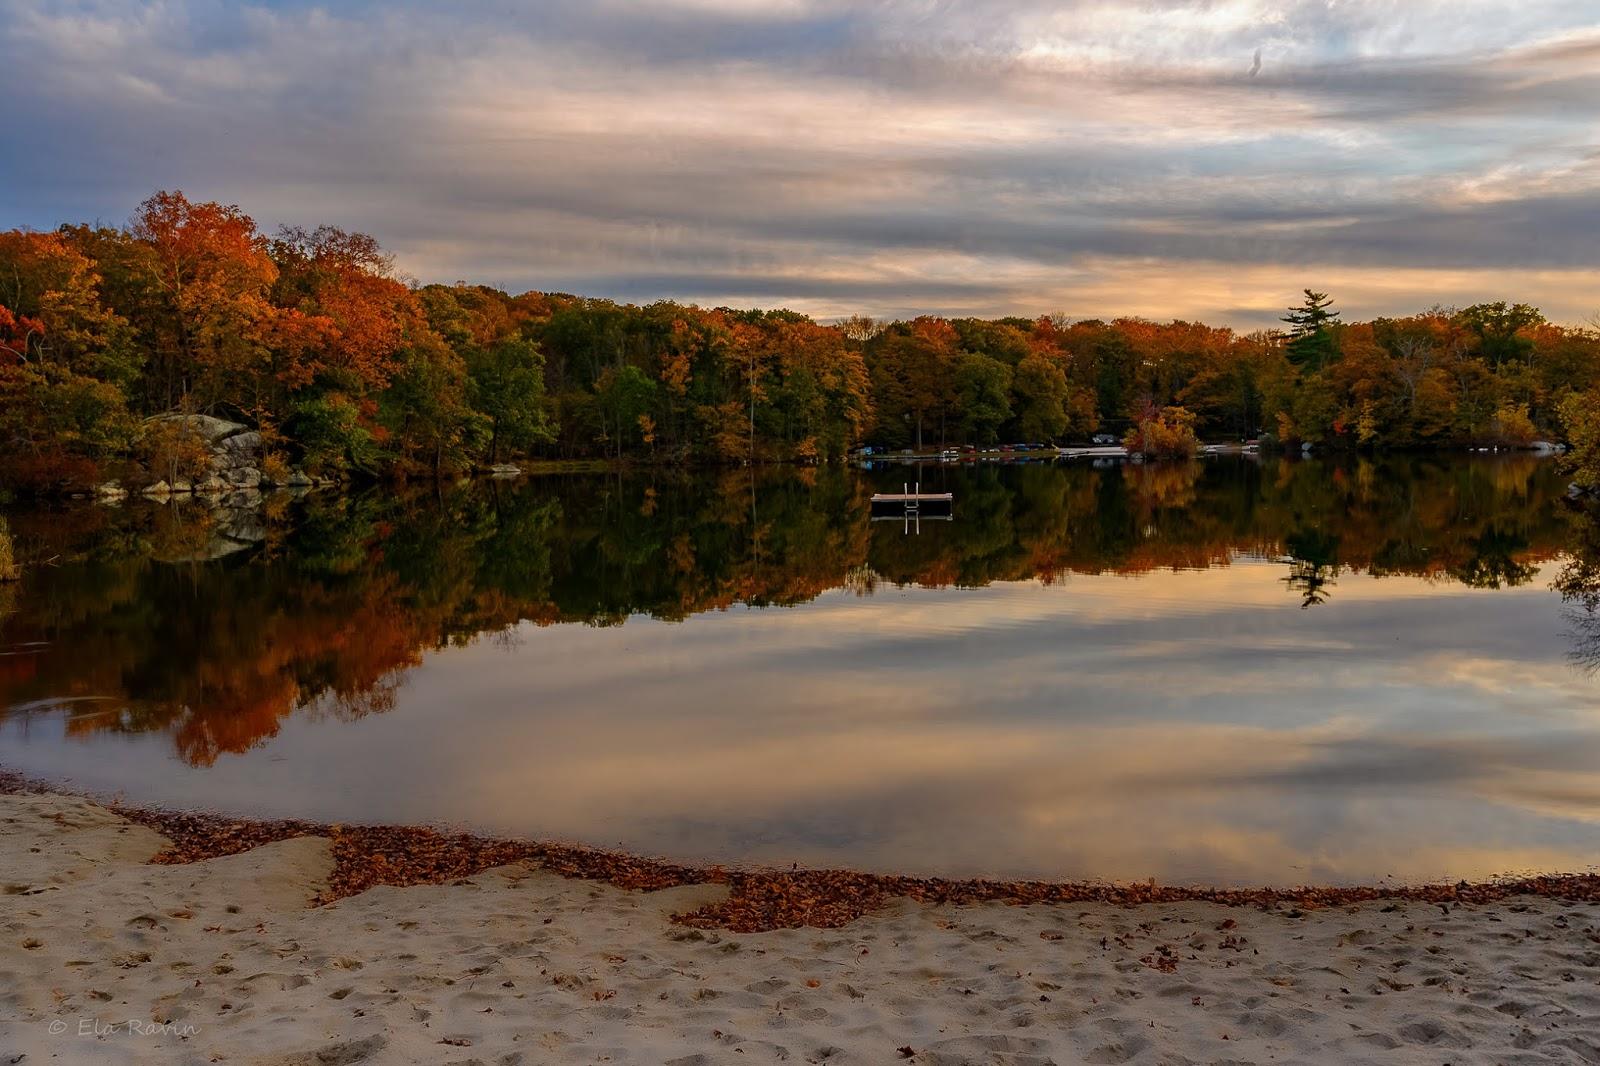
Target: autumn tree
341 282
210 275
66 363
860 328
821 401
912 366
1163 434
1580 417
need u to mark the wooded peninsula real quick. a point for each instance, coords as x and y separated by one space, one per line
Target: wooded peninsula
348 370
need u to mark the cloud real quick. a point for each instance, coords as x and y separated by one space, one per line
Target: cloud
1010 156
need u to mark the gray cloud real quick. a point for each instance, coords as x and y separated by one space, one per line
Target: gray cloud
908 156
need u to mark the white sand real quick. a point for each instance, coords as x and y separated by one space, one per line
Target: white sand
521 966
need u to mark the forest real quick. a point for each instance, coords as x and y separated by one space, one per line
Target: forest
350 371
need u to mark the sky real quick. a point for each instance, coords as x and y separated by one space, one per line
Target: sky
1161 158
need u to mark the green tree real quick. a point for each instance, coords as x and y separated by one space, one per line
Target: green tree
425 413
1500 328
332 436
506 385
983 388
1313 342
1040 388
625 396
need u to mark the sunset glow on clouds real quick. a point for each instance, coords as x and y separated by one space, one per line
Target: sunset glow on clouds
1011 156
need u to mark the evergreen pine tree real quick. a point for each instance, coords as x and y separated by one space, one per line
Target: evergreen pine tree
1312 341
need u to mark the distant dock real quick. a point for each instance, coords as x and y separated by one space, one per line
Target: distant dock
1109 451
1119 452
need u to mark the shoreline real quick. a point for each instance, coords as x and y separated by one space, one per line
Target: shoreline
530 469
759 898
109 955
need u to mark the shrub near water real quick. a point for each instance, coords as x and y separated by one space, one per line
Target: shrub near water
1580 416
9 568
1167 434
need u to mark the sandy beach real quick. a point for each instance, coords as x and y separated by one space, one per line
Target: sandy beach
107 958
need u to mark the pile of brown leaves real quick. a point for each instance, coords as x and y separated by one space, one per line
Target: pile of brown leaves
198 837
758 900
369 855
763 900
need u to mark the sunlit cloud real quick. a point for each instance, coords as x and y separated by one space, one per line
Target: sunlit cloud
1193 159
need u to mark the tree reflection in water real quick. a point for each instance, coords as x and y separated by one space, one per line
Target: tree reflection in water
1579 585
340 596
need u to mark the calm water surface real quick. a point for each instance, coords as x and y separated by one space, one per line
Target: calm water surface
1232 672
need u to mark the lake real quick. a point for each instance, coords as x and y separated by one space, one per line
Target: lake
1234 672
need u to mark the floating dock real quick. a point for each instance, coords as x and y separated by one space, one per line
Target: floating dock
912 501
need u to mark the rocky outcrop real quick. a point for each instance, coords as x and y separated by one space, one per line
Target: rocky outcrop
231 486
206 427
237 451
235 455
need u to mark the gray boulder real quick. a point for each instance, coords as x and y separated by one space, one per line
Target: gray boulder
240 449
209 429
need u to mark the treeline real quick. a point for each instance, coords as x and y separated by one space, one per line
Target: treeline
348 370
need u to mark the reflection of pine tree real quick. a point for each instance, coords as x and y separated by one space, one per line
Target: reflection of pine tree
1313 563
